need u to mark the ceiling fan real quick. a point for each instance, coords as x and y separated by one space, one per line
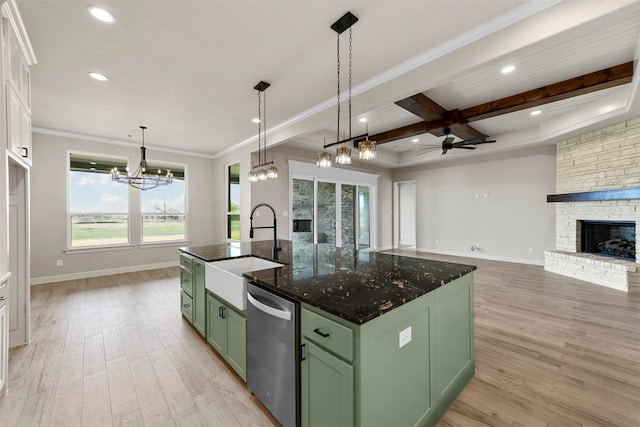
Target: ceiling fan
448 144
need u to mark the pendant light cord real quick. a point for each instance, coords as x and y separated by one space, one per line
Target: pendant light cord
350 82
338 131
264 139
259 129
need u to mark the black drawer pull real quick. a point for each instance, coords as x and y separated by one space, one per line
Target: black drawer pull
323 335
302 352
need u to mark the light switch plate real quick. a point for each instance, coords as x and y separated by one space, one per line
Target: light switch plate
405 337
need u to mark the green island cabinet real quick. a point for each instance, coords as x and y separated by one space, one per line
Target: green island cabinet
360 375
227 332
192 291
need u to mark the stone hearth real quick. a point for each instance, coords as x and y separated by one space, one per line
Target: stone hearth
602 160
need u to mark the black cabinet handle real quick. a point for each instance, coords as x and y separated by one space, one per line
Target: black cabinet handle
26 152
302 352
323 335
221 312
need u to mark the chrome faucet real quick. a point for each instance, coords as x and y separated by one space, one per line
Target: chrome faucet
276 248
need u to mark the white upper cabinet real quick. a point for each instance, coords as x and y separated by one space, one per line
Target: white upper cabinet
17 56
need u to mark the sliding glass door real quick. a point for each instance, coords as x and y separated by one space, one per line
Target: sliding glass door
348 215
328 212
364 218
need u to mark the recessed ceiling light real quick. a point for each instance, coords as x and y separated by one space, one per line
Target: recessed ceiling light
98 76
535 112
363 119
508 69
254 120
102 15
415 140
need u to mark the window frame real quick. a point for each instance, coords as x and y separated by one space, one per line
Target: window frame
69 214
227 197
169 166
134 212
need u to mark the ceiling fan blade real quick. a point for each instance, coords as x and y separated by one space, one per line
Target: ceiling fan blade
465 147
474 141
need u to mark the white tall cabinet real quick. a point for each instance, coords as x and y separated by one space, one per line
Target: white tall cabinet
15 136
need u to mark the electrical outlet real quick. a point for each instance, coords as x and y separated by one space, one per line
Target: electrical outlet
405 337
59 263
285 213
437 242
531 250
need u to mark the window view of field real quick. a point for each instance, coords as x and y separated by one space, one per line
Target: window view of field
98 230
156 228
99 211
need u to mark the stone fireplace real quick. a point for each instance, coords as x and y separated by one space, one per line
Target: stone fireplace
615 239
601 168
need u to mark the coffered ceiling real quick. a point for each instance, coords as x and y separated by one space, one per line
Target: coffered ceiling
187 69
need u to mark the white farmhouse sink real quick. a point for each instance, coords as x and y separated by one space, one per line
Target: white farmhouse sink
224 278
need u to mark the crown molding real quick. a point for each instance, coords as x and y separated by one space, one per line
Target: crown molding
83 137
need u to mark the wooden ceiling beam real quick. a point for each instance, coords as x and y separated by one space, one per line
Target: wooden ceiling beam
430 111
592 82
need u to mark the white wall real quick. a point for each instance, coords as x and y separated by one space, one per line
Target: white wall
49 212
497 201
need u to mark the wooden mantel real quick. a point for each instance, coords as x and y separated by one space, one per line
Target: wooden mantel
601 195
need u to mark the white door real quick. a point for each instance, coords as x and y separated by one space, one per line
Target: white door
405 213
18 255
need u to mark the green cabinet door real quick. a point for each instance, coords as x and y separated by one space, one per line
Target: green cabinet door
327 383
236 341
199 302
216 326
227 333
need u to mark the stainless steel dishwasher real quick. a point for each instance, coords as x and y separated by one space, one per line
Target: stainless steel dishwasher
273 353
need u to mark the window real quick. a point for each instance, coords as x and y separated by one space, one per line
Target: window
98 207
162 208
233 201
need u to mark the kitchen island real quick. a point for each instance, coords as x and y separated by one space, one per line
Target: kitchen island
385 339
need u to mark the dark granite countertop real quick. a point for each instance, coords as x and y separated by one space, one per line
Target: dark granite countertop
357 285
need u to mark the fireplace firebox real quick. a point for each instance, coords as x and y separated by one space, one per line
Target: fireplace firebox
609 238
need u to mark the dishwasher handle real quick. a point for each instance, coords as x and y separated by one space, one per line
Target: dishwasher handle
280 314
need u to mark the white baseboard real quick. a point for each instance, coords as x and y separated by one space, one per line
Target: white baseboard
384 248
98 273
480 255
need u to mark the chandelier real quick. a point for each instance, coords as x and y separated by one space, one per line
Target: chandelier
263 170
367 148
142 179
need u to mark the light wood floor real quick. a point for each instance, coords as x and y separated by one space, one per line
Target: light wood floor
550 351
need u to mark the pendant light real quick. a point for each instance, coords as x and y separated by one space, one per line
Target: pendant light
141 178
263 170
366 147
324 158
